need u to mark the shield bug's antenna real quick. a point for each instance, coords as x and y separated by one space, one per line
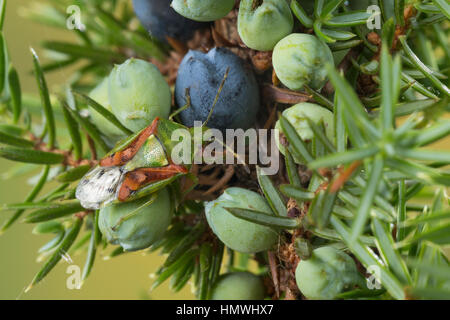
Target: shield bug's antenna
217 97
186 106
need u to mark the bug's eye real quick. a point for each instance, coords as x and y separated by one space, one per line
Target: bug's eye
99 186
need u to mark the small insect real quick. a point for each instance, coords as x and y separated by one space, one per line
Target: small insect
137 166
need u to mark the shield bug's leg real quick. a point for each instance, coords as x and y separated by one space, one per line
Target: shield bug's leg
135 179
120 158
134 212
194 180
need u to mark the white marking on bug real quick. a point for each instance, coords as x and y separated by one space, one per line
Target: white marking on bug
99 186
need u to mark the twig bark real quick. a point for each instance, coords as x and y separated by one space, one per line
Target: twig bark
273 264
285 96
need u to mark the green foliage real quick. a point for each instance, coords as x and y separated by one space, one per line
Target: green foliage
327 21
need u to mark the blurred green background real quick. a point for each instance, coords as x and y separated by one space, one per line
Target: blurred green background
125 277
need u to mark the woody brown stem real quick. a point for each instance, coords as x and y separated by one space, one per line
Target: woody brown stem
83 214
69 159
273 264
229 172
92 147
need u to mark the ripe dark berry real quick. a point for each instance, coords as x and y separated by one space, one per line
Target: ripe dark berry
162 21
202 75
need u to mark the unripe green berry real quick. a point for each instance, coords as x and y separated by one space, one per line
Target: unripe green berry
239 234
138 93
327 273
238 286
261 27
300 59
101 96
203 10
137 224
297 116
